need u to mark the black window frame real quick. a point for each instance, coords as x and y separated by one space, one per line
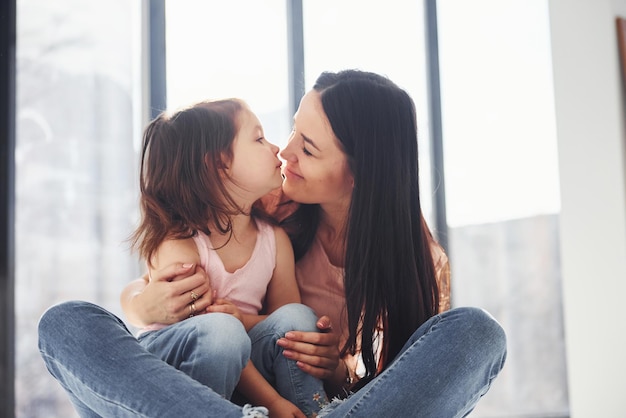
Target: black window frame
7 208
158 102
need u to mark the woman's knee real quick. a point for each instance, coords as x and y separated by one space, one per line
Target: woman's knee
484 328
67 316
66 324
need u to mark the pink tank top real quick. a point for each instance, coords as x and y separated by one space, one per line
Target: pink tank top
245 287
321 288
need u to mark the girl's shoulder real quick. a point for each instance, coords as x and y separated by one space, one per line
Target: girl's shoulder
172 251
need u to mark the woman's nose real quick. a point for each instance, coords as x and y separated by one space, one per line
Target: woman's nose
287 154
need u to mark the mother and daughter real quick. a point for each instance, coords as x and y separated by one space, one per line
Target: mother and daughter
329 287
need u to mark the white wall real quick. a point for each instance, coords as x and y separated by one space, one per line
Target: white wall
590 115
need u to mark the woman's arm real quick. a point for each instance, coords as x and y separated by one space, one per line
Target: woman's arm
166 297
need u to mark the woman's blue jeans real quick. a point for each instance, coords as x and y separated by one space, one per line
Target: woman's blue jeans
444 369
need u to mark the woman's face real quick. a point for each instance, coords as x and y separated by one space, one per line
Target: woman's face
316 169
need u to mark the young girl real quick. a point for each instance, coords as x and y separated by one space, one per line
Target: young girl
202 170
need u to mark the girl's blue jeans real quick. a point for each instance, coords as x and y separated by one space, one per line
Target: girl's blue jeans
443 370
214 348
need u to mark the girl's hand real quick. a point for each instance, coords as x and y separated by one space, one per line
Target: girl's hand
168 297
316 353
225 306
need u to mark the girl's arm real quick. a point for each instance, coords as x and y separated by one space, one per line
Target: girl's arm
283 288
317 353
259 392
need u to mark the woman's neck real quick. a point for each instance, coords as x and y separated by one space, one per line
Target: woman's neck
331 232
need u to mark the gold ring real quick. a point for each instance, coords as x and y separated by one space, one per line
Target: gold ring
193 308
194 296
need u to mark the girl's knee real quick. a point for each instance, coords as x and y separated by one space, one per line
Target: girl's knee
221 333
293 317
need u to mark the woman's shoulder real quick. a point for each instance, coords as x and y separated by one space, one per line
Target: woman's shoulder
442 273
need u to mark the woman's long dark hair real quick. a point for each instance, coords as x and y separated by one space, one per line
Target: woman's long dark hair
389 278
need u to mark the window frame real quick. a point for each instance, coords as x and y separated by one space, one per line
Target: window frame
7 209
157 102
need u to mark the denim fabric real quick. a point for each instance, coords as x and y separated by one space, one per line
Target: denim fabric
444 369
107 373
302 389
213 349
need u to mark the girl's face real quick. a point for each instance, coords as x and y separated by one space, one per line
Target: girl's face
254 169
317 168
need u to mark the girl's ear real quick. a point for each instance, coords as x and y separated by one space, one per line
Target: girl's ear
221 164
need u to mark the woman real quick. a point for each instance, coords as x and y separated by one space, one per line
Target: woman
361 243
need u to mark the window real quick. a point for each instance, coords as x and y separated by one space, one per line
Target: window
502 191
230 49
80 118
77 78
389 40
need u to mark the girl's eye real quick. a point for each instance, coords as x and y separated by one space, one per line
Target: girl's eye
306 151
260 139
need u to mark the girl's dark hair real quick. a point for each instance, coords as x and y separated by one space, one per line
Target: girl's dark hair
389 278
181 176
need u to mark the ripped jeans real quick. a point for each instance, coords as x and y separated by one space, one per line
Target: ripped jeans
443 370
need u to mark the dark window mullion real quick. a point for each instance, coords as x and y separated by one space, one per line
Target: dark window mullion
436 130
158 81
295 53
7 207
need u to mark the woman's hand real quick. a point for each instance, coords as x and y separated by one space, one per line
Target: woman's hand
316 353
173 294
